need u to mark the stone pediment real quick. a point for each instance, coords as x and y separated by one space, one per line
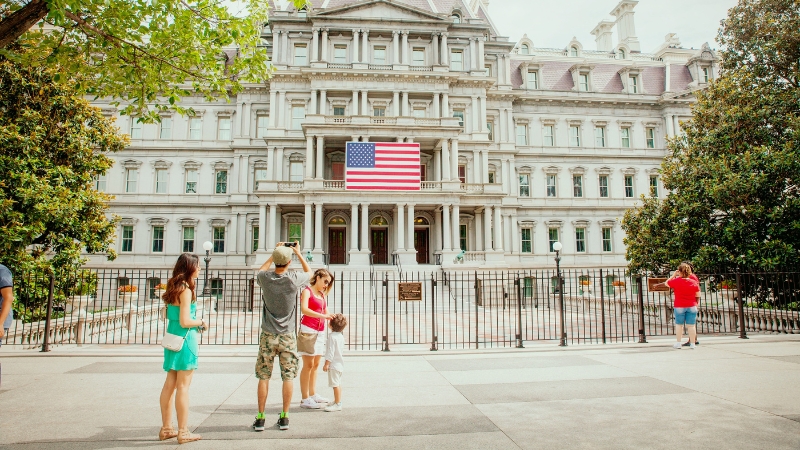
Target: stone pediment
382 10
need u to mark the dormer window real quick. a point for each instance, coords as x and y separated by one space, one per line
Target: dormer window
633 84
621 54
573 51
705 74
524 49
456 18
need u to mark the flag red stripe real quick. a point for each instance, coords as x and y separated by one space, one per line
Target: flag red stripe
373 180
397 144
384 188
397 152
399 174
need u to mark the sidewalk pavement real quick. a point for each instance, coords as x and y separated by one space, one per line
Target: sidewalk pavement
728 393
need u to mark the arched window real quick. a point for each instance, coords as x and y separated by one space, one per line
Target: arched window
421 221
337 221
525 50
573 51
456 18
379 221
621 53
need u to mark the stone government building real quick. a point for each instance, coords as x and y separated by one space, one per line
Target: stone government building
521 146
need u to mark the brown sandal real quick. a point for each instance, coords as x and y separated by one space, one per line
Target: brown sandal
167 433
185 436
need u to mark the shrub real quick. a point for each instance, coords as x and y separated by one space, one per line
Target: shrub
127 288
618 283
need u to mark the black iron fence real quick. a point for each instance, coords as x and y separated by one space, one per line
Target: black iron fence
430 309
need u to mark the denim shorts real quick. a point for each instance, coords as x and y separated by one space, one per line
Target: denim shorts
686 316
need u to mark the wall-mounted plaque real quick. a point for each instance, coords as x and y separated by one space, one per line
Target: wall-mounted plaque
409 292
657 285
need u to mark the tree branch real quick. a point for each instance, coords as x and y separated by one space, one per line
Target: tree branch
13 26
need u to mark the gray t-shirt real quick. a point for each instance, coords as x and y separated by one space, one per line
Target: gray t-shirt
6 281
279 299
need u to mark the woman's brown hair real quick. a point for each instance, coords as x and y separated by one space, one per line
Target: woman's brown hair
685 269
185 267
319 273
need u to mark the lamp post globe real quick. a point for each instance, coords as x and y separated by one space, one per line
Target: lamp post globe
557 246
207 246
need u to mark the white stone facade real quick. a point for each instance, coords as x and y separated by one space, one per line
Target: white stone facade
548 143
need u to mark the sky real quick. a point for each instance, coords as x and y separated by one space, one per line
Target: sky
552 24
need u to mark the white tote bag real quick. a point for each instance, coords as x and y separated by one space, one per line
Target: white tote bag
173 342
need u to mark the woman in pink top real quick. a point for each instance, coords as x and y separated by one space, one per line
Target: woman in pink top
314 306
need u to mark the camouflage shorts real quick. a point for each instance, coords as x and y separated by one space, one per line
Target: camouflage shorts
284 346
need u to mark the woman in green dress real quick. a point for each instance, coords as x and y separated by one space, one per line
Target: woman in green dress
181 312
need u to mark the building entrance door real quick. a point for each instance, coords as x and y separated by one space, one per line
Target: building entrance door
379 246
421 245
337 245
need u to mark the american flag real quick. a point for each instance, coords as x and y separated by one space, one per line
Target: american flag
382 166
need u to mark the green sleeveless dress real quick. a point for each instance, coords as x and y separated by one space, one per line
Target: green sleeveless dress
186 359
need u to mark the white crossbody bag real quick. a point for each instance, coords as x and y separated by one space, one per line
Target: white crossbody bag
173 342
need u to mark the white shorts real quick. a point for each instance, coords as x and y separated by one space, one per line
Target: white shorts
334 377
319 344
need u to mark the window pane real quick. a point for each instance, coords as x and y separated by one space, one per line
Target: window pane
629 186
340 54
259 175
600 137
552 235
522 135
462 236
379 112
100 183
136 128
296 233
456 61
221 182
419 112
158 239
551 185
188 239
166 128
606 239
255 239
575 136
161 181
577 186
533 80
338 110
263 121
127 238
549 139
651 138
191 181
633 83
654 186
131 177
626 137
298 115
379 55
418 57
490 128
195 125
219 239
524 185
603 186
217 287
526 240
296 171
460 115
583 81
580 240
224 129
300 55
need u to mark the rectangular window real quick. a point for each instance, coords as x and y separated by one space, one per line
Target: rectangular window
219 239
224 132
606 239
100 183
418 56
221 182
583 82
549 138
379 55
600 136
460 114
651 137
456 60
551 185
462 173
533 80
653 186
295 233
577 186
462 237
423 172
254 239
191 181
604 186
136 128
131 178
379 112
575 136
217 287
158 239
419 112
552 237
487 70
188 240
524 185
300 54
340 54
338 170
261 123
490 127
522 134
633 84
166 128
705 74
527 244
338 110
295 171
491 177
629 186
127 238
626 137
258 176
298 116
580 240
151 284
161 181
195 128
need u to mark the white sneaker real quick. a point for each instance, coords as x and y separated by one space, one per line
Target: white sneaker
319 399
309 403
677 346
691 346
333 407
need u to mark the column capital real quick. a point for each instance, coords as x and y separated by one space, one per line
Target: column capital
445 33
356 31
315 30
308 204
325 30
395 32
365 205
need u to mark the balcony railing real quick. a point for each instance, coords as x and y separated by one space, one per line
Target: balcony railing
380 67
421 68
472 187
383 120
290 186
431 185
338 119
315 119
333 185
339 66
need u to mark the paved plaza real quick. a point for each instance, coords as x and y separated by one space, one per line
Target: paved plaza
729 393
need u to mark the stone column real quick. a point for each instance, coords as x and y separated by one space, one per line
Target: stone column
503 128
364 103
270 163
273 108
473 61
320 157
456 220
507 68
281 109
309 156
447 243
404 49
523 70
510 123
445 105
436 104
395 48
515 238
313 105
437 233
454 159
485 165
285 47
314 44
479 231
476 167
276 44
445 160
437 163
355 47
365 227
405 103
445 51
354 226
500 68
365 45
476 114
354 109
323 102
487 229
481 53
410 246
325 45
506 176
484 128
396 103
435 47
498 229
262 227
273 221
401 243
279 164
318 228
307 231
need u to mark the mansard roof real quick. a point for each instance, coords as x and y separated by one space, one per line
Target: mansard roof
432 8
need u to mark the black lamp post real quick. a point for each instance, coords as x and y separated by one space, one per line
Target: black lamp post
207 246
557 248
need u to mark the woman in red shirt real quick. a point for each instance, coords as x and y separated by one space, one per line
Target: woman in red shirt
314 306
686 290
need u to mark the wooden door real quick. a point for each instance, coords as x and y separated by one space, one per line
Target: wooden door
379 246
337 245
421 245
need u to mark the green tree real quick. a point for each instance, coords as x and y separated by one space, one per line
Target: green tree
145 54
733 177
